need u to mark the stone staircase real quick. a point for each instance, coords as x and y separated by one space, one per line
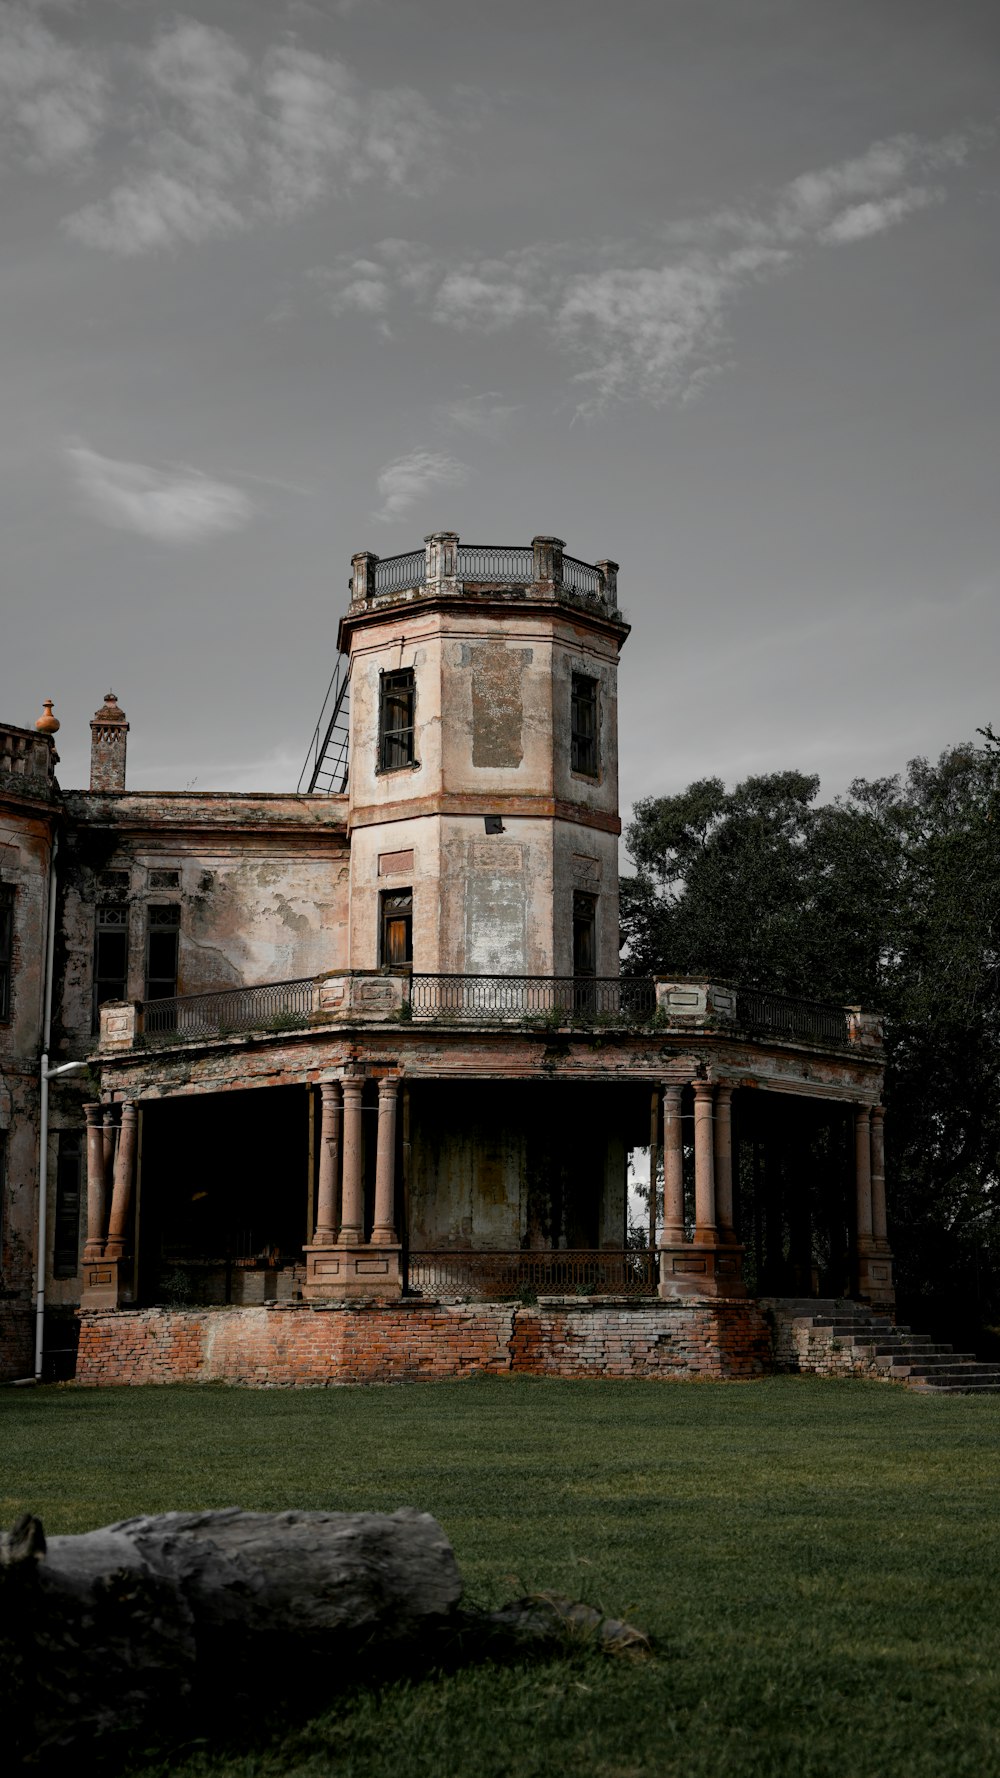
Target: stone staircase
845 1339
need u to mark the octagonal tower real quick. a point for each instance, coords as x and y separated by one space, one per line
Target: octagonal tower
483 783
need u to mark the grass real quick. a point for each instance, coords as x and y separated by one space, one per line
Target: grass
818 1562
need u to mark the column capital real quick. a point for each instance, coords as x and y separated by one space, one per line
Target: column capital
704 1089
94 1113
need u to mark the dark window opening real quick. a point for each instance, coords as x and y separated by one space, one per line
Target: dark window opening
584 934
164 879
6 948
69 1196
396 943
110 958
162 941
395 722
583 725
114 882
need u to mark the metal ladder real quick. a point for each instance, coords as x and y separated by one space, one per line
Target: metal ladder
326 765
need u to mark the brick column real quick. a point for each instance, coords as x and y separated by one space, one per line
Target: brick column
723 1158
704 1168
863 1176
331 1115
96 1183
121 1201
384 1230
880 1231
352 1226
673 1169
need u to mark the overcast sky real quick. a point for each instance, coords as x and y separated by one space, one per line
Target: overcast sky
707 286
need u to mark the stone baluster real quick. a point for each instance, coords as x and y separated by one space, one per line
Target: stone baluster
331 1117
121 1201
704 1168
96 1184
673 1168
723 1161
352 1226
384 1230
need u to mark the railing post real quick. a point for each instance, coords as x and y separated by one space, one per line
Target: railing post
547 563
609 575
362 576
442 562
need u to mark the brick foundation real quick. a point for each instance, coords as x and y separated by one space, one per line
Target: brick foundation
306 1346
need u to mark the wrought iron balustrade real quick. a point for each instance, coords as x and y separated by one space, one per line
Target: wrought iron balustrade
547 998
396 574
563 1271
496 564
271 1006
779 1015
582 577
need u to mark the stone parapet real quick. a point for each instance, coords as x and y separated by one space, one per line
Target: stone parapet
688 1001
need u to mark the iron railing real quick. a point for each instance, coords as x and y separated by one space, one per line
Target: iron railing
563 1271
582 577
778 1015
496 564
630 999
272 1006
396 574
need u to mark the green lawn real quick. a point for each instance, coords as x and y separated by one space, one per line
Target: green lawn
818 1562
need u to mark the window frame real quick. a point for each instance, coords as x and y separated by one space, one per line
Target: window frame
70 1185
155 986
584 920
400 737
584 735
387 910
109 917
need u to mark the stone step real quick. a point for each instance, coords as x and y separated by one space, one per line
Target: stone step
949 1373
971 1386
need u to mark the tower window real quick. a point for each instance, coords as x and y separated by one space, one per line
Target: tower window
396 940
583 725
161 951
6 948
110 957
395 720
584 934
69 1193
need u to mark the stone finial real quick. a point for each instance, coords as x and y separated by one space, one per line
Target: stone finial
48 723
108 732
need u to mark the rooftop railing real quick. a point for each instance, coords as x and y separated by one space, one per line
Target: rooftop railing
779 1015
448 565
526 997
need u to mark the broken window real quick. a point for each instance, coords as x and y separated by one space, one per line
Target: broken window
395 721
396 940
584 934
6 948
162 940
583 725
69 1195
164 879
110 958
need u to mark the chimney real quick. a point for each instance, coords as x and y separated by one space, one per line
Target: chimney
107 746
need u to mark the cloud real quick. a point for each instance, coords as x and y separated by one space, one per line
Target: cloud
53 96
656 326
218 139
175 507
485 416
407 479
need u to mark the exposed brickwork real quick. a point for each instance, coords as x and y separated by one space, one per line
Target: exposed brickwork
17 1348
301 1346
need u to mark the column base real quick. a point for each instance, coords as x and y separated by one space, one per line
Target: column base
103 1282
335 1273
701 1269
875 1283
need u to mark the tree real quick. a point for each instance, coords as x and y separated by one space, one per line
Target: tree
888 898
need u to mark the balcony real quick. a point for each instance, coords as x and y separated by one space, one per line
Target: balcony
529 1002
445 565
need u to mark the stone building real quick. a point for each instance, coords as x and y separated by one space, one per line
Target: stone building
335 1078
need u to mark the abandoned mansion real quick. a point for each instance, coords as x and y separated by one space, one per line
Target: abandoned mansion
345 1084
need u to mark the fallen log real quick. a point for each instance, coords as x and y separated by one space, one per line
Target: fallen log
155 1626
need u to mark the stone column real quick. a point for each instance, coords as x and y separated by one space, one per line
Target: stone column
723 1158
96 1183
110 1143
673 1169
331 1114
121 1201
384 1230
863 1176
352 1225
880 1231
705 1230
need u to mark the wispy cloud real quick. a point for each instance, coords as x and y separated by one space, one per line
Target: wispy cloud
484 416
218 139
53 96
406 480
171 506
654 325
